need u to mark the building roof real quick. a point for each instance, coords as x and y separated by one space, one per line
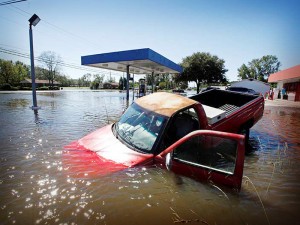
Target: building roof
290 73
111 84
37 81
140 61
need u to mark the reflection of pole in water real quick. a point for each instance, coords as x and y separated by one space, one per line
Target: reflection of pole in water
106 111
36 117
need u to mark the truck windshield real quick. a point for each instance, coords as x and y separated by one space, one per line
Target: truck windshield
140 128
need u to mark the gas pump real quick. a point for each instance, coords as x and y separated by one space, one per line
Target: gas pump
142 87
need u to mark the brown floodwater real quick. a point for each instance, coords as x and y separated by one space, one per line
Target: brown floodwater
40 185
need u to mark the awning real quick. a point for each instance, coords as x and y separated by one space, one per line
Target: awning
140 61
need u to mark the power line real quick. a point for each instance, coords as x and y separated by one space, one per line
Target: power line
11 2
57 28
61 30
63 64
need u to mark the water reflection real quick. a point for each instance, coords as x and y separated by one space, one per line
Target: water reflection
39 185
16 103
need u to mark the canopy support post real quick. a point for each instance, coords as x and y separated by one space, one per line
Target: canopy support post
127 83
152 77
133 87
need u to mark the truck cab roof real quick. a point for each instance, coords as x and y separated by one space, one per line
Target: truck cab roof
164 103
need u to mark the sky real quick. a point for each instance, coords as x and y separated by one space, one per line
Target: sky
236 31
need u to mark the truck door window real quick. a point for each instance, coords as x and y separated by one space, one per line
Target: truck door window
184 123
181 124
215 153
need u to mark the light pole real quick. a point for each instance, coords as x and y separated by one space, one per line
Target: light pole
34 20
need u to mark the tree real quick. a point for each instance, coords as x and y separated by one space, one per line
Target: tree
122 83
162 85
203 68
98 79
85 80
269 65
111 79
41 73
166 79
51 61
259 69
244 72
149 79
6 71
13 73
21 72
64 80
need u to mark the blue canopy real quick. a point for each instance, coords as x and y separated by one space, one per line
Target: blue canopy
140 61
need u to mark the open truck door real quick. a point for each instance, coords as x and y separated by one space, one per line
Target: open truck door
206 155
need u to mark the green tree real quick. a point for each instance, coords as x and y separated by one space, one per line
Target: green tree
167 79
85 80
269 65
64 80
122 83
21 72
244 72
259 69
6 71
149 79
41 73
98 79
162 85
13 73
203 68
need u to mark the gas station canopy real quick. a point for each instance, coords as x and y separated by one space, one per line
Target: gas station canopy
139 61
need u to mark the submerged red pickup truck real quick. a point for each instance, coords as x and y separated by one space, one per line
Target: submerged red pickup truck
199 136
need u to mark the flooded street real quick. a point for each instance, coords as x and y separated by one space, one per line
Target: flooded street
40 184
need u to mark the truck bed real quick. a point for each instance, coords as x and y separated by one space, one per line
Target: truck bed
218 103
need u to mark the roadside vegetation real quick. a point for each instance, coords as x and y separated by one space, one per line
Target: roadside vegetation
202 68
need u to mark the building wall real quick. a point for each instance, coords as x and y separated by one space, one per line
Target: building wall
292 90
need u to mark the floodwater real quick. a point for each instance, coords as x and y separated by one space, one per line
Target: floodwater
39 185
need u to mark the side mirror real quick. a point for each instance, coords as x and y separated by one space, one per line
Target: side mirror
169 161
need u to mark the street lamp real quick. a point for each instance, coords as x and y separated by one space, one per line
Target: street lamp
34 20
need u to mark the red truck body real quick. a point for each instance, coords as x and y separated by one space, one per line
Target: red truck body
176 132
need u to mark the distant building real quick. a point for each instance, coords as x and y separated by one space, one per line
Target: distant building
109 85
256 85
38 83
289 80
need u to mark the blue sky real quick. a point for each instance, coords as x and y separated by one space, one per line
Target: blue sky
236 31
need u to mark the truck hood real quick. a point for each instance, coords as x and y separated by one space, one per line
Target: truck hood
103 150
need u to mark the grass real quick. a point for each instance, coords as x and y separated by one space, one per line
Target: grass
178 219
278 162
249 181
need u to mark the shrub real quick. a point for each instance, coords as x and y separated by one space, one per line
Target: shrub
43 88
5 87
25 88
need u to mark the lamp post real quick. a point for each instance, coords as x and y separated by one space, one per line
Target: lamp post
34 20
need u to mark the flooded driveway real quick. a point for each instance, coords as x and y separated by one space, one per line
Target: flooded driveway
41 185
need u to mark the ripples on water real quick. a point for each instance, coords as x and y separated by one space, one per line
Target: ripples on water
40 186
